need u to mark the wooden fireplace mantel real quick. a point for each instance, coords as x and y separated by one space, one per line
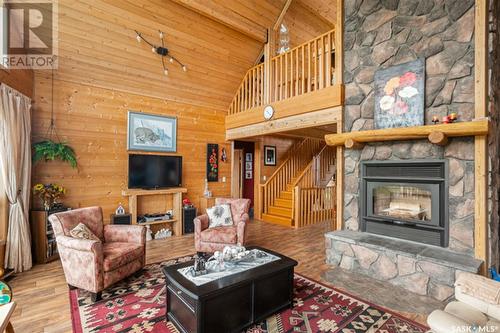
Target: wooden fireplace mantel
437 134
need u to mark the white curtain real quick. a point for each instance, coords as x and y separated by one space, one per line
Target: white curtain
15 170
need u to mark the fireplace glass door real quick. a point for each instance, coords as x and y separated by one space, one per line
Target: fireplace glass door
404 202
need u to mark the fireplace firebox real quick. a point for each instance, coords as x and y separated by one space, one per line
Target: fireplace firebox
406 199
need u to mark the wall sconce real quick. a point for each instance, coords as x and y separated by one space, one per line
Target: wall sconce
162 51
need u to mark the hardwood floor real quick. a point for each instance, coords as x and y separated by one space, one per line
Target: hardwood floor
42 293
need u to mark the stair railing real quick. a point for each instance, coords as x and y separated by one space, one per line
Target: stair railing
298 158
312 198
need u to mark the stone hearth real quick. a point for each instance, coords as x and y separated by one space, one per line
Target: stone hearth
421 269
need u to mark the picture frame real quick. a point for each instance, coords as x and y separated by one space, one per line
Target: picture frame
151 132
248 174
400 95
248 157
212 162
270 155
248 166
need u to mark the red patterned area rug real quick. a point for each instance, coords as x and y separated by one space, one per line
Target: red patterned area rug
137 305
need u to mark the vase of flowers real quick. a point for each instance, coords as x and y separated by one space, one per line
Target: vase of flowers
49 194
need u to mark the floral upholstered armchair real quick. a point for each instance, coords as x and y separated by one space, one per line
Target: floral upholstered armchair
215 239
93 265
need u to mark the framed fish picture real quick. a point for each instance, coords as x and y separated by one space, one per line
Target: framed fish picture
149 132
399 95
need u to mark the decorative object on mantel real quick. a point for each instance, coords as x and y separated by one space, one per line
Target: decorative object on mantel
49 194
436 134
212 162
161 50
50 150
435 119
399 95
150 132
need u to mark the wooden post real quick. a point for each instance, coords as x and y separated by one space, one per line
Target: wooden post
267 69
296 207
257 208
481 241
177 208
339 79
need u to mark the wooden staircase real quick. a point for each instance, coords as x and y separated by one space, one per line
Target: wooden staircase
310 164
281 212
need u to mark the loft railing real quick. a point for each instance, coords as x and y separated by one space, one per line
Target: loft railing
304 69
250 93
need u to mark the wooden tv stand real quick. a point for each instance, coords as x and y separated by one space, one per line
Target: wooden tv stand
177 221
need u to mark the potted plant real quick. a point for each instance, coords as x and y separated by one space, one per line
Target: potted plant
49 150
49 194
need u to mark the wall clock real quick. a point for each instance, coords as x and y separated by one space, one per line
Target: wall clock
268 112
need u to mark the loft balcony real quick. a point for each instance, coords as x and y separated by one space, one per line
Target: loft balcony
303 80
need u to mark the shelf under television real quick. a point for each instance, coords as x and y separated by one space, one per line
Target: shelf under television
158 222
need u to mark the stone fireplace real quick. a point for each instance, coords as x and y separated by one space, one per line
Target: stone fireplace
406 200
413 230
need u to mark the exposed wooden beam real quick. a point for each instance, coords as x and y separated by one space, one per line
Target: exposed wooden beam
224 15
317 118
469 128
481 247
282 15
317 100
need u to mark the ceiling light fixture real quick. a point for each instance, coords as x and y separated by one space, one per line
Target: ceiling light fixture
162 51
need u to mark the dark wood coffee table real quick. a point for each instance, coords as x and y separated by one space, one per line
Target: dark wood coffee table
231 303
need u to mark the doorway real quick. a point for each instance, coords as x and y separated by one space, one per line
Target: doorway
244 171
237 173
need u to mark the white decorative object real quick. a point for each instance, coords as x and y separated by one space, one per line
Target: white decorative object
219 216
120 210
149 233
218 268
284 39
206 192
163 233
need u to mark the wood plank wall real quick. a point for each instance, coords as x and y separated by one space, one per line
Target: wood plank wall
104 72
93 121
304 24
282 144
98 46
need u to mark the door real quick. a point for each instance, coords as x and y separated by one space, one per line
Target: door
237 174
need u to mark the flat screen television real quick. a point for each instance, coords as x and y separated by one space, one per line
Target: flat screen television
154 171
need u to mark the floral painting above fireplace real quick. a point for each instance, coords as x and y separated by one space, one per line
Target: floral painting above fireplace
399 95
